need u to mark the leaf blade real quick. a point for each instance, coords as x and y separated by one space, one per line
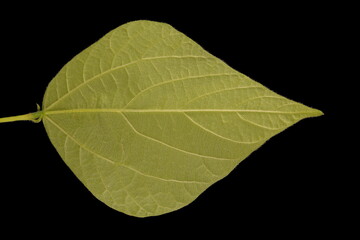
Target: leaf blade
148 120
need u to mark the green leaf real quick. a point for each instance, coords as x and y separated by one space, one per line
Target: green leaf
148 120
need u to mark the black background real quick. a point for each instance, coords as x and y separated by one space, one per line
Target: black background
290 186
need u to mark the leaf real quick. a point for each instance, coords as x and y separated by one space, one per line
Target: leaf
148 120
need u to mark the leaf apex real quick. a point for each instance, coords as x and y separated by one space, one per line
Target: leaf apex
316 113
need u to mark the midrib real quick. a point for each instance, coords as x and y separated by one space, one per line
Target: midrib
109 110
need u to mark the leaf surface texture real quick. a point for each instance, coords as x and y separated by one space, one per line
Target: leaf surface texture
147 119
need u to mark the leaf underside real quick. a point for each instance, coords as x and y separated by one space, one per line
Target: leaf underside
148 120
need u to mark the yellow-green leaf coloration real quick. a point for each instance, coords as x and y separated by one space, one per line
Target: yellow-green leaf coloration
148 120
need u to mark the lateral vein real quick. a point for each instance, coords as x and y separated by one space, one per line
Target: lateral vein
112 162
175 80
114 69
172 147
213 133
